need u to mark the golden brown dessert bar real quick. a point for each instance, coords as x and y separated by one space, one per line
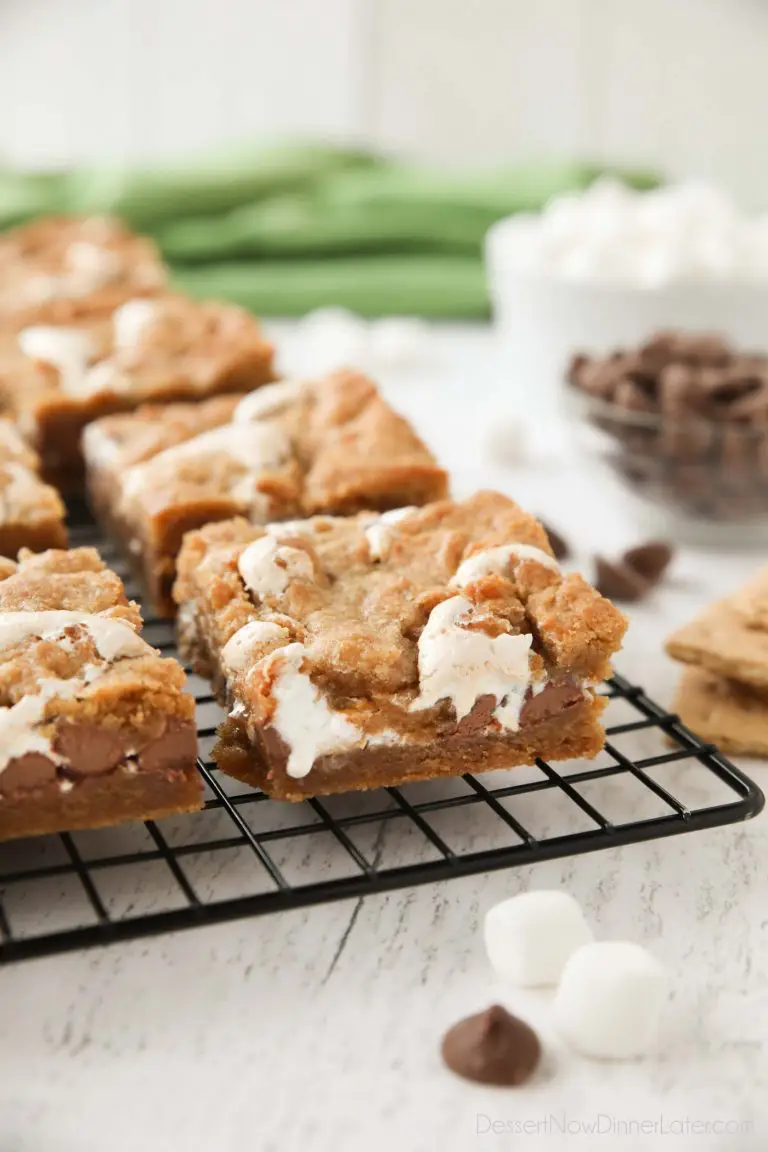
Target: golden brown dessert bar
56 378
65 268
730 638
94 725
290 449
31 513
380 649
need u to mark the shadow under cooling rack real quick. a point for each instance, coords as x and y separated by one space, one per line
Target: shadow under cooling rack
244 854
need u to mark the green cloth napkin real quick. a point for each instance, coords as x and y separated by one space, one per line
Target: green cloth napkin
440 286
289 228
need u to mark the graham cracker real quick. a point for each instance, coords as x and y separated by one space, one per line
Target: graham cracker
730 638
723 713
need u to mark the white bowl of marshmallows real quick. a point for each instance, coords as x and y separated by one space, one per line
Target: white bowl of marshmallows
610 266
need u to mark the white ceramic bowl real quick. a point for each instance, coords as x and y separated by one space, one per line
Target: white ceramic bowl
542 321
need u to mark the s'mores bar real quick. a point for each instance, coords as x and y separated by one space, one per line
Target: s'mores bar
60 269
31 513
289 450
94 726
381 649
55 379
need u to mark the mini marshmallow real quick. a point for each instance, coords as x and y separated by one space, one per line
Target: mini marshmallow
530 937
610 1000
398 342
331 338
612 234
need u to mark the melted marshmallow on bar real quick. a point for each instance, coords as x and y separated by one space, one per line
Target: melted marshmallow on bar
302 717
131 320
88 268
239 650
19 723
99 448
67 349
380 533
114 639
269 400
91 265
267 566
461 665
255 446
495 561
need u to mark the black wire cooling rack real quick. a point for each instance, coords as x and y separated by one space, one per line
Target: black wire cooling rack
244 855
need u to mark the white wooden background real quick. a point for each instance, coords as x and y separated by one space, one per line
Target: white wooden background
682 83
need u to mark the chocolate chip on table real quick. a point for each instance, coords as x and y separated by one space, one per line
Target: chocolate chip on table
649 560
617 581
492 1047
560 546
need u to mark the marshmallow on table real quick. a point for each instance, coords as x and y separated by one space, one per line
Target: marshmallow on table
399 342
610 999
331 338
530 937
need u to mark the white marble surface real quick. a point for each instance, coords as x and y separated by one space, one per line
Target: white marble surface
319 1029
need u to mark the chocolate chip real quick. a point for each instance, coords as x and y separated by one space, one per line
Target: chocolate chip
492 1047
633 395
575 369
754 404
649 560
689 417
702 349
657 352
559 545
617 581
678 385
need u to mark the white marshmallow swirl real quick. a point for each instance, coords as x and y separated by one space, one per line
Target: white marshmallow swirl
66 349
380 533
269 400
461 665
239 650
267 566
302 717
496 561
254 446
131 320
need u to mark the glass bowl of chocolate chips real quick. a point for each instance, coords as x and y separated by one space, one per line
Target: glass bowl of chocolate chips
682 421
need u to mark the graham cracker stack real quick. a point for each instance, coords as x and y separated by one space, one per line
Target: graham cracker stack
723 693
